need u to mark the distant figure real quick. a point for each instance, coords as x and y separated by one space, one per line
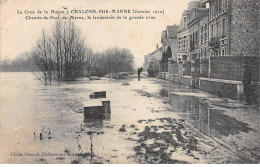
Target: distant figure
80 149
247 83
139 71
34 136
41 136
49 134
81 127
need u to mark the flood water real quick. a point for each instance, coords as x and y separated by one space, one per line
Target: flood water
29 108
205 118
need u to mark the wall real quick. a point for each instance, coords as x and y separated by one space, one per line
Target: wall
244 30
220 88
231 67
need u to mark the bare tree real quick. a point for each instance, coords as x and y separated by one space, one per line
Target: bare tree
62 55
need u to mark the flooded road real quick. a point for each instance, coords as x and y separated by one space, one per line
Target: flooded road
189 126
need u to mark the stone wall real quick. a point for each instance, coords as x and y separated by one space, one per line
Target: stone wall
222 89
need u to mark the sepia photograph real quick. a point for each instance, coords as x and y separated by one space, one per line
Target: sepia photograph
129 82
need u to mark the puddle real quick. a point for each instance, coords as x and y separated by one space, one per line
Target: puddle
206 119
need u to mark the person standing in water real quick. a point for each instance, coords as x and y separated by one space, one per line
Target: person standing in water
41 136
49 134
139 71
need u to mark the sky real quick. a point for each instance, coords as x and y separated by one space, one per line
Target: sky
19 35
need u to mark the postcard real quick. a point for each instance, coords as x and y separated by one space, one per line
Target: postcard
129 82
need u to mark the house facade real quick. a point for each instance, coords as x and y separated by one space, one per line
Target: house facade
203 44
214 41
169 46
154 57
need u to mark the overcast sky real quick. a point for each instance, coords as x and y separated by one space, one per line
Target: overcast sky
140 36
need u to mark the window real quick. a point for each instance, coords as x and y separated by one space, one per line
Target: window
193 37
205 36
217 29
201 35
211 33
211 10
217 6
196 37
223 26
184 43
224 4
222 52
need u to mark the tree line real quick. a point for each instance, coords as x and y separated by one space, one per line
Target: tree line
62 54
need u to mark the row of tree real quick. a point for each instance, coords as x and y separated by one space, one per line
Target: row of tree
112 61
62 54
21 63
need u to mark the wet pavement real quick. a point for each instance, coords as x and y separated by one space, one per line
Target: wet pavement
188 126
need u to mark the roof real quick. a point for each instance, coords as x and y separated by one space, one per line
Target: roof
195 14
155 51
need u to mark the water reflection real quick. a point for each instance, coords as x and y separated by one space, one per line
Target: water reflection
205 118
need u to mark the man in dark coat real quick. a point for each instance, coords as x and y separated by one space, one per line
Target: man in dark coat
139 71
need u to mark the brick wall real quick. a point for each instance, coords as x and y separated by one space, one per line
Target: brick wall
231 67
244 29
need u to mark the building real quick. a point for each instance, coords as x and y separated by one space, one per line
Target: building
203 44
169 46
218 27
188 40
234 27
183 31
154 57
183 37
213 42
234 37
194 28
